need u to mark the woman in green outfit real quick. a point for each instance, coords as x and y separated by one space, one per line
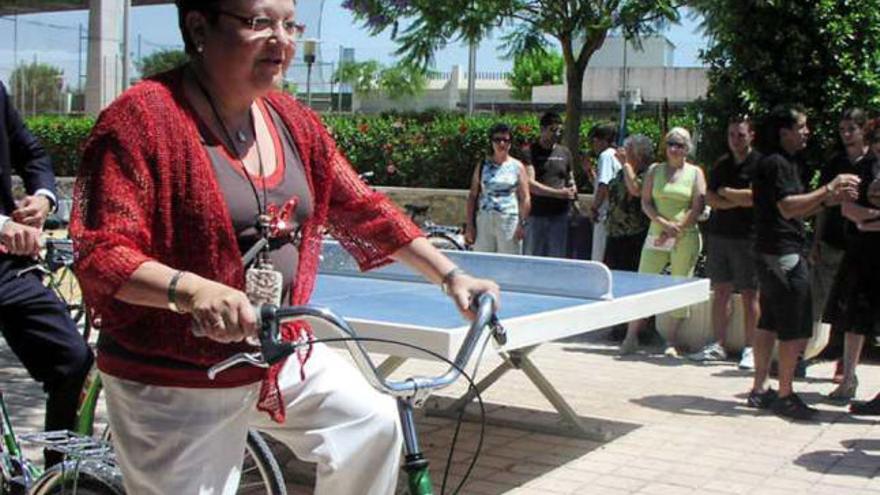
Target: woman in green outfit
673 196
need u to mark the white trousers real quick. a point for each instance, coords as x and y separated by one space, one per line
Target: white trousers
172 440
600 237
496 233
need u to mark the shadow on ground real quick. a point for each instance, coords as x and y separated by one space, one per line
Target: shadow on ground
519 445
859 457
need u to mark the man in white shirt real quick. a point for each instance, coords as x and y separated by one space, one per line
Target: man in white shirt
602 140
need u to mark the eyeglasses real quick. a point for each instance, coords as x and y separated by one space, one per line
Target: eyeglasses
500 140
675 144
262 24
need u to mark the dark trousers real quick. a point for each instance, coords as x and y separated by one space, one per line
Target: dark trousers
38 329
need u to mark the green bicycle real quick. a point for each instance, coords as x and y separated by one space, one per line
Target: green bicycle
410 393
90 468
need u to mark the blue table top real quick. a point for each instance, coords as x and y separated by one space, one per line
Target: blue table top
421 304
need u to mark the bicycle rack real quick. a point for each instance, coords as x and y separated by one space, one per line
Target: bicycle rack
73 445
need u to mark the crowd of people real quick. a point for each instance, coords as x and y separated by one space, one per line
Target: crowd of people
654 216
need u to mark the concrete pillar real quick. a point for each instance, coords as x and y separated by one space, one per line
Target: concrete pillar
104 69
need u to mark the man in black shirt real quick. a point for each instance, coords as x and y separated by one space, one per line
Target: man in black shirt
780 204
731 260
551 184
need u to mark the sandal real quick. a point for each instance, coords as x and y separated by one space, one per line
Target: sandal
869 408
838 372
844 392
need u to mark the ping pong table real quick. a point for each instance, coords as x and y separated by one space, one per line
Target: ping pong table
543 300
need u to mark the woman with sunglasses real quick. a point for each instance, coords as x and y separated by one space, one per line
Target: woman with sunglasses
673 196
182 174
498 201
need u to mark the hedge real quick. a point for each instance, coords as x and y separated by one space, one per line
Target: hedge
430 149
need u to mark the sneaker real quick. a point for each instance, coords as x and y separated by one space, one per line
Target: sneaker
761 400
671 352
747 361
711 352
792 407
869 408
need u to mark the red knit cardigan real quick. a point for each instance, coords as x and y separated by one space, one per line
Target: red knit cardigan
146 191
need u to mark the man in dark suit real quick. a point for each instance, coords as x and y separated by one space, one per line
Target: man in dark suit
33 320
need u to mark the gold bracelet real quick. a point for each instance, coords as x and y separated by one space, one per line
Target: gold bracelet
172 291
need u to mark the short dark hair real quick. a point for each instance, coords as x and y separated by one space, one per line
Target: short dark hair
857 115
782 117
184 7
606 132
550 118
499 128
740 118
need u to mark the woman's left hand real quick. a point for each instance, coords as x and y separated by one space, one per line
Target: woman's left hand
464 288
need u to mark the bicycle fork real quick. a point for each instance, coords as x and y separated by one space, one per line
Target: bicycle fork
414 463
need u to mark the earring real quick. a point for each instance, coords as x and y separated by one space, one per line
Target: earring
200 48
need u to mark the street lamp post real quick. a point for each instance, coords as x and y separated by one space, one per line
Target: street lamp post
310 49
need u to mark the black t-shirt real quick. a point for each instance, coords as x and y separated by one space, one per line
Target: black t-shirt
866 242
777 176
734 222
553 169
833 230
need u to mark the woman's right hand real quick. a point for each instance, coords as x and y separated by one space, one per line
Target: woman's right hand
670 229
219 312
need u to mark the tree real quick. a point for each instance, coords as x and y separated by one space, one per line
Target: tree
37 87
535 69
823 54
161 61
370 78
580 27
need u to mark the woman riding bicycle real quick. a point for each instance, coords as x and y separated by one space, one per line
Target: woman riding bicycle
182 174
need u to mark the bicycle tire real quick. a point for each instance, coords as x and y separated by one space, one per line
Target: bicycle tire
444 241
260 473
89 477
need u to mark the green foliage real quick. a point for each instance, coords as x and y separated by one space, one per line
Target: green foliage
370 78
823 54
428 149
36 88
580 27
535 68
161 61
63 138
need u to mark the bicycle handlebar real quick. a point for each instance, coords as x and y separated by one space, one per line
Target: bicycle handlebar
273 349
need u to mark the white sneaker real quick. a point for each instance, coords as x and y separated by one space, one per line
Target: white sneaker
747 362
712 352
671 352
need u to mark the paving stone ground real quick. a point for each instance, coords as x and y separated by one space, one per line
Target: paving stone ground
688 430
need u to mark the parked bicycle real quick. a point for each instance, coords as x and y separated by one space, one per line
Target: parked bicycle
410 392
441 236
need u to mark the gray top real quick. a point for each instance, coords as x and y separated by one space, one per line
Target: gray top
288 181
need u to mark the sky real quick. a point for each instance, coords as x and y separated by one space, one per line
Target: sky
55 39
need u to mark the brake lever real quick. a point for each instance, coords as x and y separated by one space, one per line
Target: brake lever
499 333
251 358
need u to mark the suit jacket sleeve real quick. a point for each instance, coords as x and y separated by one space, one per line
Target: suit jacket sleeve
29 159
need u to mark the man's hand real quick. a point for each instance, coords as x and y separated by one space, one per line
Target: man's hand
32 211
844 187
570 192
19 240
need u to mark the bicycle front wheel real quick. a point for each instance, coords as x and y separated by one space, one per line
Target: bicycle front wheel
260 473
80 478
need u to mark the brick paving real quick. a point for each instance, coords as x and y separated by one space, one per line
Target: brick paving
688 430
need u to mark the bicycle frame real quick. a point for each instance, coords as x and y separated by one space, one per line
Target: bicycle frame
409 393
11 452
